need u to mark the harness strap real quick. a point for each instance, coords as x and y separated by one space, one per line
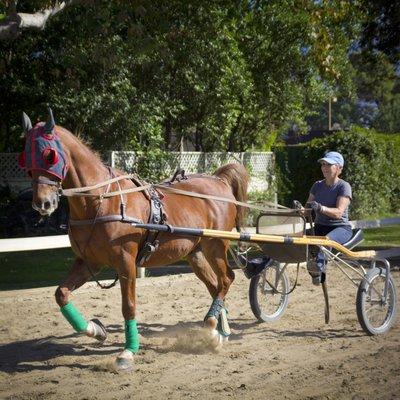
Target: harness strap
165 186
45 181
217 198
75 191
157 217
105 218
64 192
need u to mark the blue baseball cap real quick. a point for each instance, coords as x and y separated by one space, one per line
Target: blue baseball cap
333 157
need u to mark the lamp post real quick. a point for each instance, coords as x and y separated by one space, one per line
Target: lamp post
331 99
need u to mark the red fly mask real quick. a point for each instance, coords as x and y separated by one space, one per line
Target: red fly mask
43 149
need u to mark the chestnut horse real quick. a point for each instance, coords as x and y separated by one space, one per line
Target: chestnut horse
55 158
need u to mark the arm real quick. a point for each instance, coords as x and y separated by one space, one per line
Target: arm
336 212
311 198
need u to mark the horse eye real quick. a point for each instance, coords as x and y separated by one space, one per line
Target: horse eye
50 156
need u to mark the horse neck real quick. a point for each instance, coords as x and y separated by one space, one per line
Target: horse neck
85 169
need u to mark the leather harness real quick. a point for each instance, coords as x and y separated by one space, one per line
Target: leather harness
156 216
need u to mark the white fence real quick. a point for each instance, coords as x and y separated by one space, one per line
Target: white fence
260 165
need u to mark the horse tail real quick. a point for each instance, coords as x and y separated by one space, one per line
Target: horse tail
236 176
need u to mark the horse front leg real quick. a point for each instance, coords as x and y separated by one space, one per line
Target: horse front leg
77 276
127 276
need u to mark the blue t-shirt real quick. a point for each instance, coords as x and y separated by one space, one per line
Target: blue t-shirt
327 196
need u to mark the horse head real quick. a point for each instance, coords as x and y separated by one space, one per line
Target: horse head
45 161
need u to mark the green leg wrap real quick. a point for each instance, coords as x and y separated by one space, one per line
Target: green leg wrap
74 317
131 336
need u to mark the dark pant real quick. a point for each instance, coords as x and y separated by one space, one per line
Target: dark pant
340 234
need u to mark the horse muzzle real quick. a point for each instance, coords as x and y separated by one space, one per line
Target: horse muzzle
46 206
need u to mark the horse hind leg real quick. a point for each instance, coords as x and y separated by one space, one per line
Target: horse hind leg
205 273
203 270
77 276
215 253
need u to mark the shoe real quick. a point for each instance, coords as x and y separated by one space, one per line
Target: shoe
318 278
314 272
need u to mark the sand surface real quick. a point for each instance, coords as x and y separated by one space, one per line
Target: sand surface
298 357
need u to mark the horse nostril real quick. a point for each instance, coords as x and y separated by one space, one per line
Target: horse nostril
46 205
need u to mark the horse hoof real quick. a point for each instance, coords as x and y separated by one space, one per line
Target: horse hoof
124 361
211 323
216 339
96 330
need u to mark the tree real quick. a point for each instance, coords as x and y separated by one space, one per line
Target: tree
381 27
13 22
142 75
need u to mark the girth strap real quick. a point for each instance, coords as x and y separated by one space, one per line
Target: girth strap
157 216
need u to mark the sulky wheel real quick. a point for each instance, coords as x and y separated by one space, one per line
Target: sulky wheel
376 316
268 293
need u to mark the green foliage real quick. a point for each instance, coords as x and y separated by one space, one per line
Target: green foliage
221 74
368 168
392 142
154 165
270 141
381 28
388 119
225 76
372 100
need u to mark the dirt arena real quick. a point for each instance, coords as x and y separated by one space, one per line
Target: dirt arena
298 357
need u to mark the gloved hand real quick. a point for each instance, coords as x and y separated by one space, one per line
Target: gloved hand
317 207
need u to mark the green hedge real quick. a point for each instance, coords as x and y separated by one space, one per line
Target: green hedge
371 167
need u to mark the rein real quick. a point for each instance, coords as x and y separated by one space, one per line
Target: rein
77 192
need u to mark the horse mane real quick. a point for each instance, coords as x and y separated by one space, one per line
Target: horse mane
82 141
236 176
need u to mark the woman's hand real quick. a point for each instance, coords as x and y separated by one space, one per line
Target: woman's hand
315 206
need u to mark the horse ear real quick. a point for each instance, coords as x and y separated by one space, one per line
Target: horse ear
26 123
49 126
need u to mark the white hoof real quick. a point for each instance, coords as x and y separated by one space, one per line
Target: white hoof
96 330
216 339
124 361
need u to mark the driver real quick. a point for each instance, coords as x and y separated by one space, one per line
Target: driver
330 199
